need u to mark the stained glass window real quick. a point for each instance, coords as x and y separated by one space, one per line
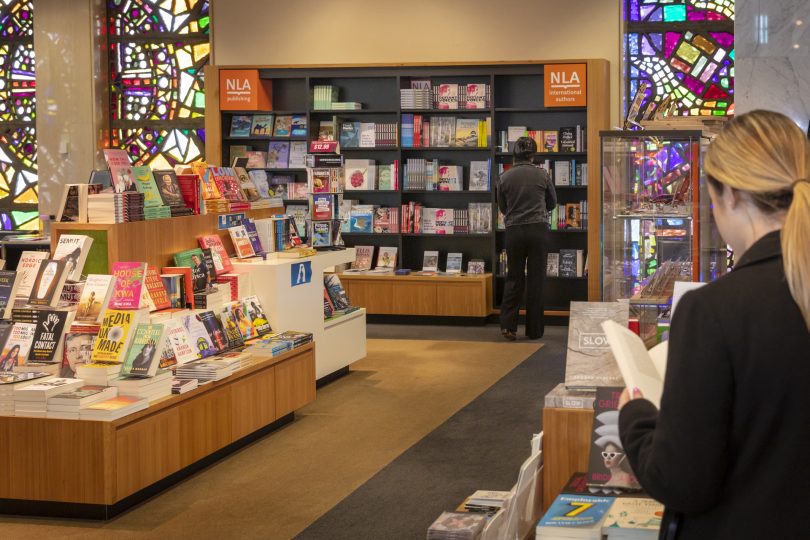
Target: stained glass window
683 52
157 52
19 196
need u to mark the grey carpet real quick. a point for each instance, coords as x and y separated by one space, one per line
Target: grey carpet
480 447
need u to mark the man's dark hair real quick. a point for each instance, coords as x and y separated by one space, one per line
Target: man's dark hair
525 149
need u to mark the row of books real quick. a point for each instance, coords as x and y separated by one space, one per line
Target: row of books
564 139
567 263
475 219
387 259
365 174
570 173
431 175
445 132
279 155
324 98
369 135
569 216
422 94
363 218
268 125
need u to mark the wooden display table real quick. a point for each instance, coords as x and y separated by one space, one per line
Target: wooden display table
153 241
566 447
95 469
388 294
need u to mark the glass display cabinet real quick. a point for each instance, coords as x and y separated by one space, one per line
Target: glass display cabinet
656 220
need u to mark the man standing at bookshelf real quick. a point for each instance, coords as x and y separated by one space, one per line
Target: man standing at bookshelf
525 197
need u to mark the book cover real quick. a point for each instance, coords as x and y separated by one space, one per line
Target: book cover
430 261
240 125
27 269
7 281
466 132
253 236
608 465
71 294
156 290
476 96
186 283
322 233
298 125
246 184
568 139
200 339
257 159
582 512
454 263
256 315
95 295
114 336
261 125
553 265
213 325
145 183
222 262
229 325
356 176
328 308
634 514
361 219
322 207
589 361
120 167
387 177
350 135
73 248
479 176
194 259
447 96
278 155
337 294
298 155
17 346
475 266
282 126
48 283
236 312
48 334
183 349
145 350
77 348
387 257
169 187
368 135
362 257
549 142
208 186
129 280
227 183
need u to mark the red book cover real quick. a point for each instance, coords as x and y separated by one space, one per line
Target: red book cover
188 284
222 263
129 280
156 289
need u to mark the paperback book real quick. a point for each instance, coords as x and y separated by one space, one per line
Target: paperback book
144 353
128 285
48 283
17 346
73 249
608 466
589 361
115 335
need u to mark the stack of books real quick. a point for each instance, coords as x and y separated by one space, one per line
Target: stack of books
558 522
297 338
32 400
67 406
113 409
457 526
129 207
98 374
486 501
181 386
210 369
11 381
157 212
151 388
216 206
415 98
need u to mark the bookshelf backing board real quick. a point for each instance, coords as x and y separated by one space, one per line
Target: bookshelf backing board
517 97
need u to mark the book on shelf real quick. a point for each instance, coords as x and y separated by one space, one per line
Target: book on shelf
387 257
128 285
261 125
255 313
241 125
115 334
181 349
73 205
222 262
233 337
640 368
430 261
282 126
589 360
636 518
479 176
359 174
144 352
48 283
298 155
120 166
256 159
278 155
361 219
608 466
27 269
571 263
553 265
298 125
187 283
454 263
73 248
363 257
322 233
241 242
322 206
388 176
451 178
336 292
476 266
8 285
385 220
154 291
49 328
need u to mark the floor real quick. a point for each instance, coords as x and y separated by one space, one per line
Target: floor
357 431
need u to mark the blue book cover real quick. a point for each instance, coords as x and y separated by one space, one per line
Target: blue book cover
576 511
407 131
253 236
361 222
298 126
240 125
350 135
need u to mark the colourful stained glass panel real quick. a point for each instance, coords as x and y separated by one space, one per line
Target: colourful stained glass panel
692 65
158 51
19 194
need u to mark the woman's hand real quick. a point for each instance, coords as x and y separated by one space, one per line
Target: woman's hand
626 396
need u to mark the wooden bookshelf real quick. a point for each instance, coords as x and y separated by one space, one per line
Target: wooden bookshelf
152 241
516 90
95 469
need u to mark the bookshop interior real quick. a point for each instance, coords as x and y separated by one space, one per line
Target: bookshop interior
350 269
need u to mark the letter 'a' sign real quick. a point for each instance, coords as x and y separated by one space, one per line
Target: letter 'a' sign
564 85
300 273
244 90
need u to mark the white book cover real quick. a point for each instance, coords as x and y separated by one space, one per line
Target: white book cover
27 270
368 135
479 176
47 388
94 298
298 154
562 173
74 248
636 364
356 174
454 263
387 257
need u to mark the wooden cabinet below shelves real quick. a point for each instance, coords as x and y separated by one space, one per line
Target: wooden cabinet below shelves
453 296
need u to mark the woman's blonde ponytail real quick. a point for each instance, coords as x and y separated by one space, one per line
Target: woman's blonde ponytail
796 247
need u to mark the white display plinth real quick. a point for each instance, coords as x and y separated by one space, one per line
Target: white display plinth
338 342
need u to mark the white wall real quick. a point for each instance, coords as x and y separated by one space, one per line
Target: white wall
271 32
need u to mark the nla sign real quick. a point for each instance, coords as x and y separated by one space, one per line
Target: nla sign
244 90
565 85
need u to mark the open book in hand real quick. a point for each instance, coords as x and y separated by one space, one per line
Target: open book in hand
640 368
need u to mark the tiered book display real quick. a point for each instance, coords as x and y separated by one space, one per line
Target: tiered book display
422 149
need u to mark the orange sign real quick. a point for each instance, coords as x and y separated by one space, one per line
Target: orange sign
243 90
564 85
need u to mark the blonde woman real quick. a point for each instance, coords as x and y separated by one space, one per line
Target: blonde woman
727 453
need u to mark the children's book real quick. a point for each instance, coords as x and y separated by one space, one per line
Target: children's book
240 125
261 125
282 126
